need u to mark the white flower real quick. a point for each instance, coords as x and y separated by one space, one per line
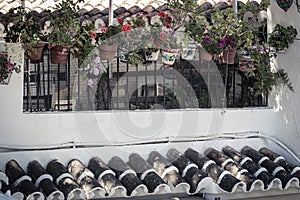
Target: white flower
97 60
87 67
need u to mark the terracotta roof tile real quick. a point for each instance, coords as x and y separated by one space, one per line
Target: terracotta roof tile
220 171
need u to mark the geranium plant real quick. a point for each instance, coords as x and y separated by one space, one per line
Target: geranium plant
109 37
167 35
64 23
85 41
107 33
7 67
27 29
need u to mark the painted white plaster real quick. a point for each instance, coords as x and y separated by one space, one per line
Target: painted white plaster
50 129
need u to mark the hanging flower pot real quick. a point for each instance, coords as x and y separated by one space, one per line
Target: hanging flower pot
7 67
5 80
35 53
59 54
204 55
107 51
229 55
246 64
152 55
169 56
123 55
188 52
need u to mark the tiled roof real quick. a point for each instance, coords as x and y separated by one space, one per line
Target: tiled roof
217 171
40 5
97 11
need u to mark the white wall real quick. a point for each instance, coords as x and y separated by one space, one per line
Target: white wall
113 127
286 103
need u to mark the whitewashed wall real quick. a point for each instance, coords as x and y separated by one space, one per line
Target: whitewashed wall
286 103
115 127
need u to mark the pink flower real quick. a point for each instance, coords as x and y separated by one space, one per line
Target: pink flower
127 28
163 36
5 54
49 47
10 67
93 35
120 20
103 29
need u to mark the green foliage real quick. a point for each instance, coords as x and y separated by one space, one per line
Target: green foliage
64 23
26 28
231 30
264 78
109 34
14 16
182 10
84 42
281 37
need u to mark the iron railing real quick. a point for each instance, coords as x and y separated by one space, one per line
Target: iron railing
122 86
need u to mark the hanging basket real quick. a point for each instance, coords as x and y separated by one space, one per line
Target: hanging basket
35 53
169 56
106 51
152 55
204 55
59 54
6 80
228 56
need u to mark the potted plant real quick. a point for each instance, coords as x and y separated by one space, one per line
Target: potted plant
133 38
15 25
65 27
7 67
32 38
168 39
27 29
85 41
169 46
108 41
149 36
281 37
108 38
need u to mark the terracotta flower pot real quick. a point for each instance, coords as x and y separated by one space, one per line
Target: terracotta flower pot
229 55
169 56
35 53
204 55
106 51
59 54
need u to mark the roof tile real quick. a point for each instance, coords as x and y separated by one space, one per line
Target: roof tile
224 171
